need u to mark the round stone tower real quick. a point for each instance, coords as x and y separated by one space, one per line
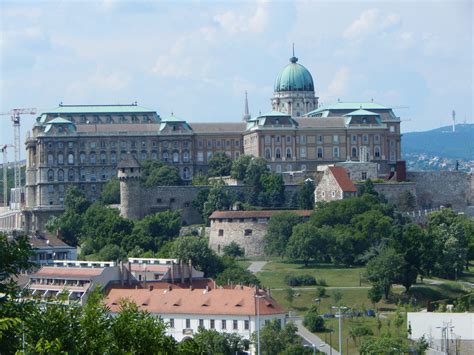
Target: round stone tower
129 175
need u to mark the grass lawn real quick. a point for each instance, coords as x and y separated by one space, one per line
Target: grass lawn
274 272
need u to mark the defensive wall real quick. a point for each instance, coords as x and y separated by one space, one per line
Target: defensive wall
393 190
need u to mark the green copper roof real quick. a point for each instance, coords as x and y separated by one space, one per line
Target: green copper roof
361 112
356 105
294 77
172 118
59 120
78 109
274 113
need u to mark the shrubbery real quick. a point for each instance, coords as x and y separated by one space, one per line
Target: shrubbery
300 280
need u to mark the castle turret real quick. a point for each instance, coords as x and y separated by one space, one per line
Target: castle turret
129 175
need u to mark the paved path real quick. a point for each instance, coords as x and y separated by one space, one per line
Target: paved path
312 339
256 266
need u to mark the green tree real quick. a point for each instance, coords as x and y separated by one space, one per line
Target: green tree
313 321
307 242
382 345
110 194
406 201
279 230
290 295
385 269
164 176
210 341
197 250
273 190
217 200
220 164
233 249
276 340
306 195
375 293
237 275
239 167
358 331
200 180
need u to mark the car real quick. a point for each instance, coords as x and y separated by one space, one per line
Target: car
328 315
370 313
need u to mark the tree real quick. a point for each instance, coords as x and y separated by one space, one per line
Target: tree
406 201
279 230
110 194
210 341
220 164
306 195
273 190
307 242
239 167
290 295
200 180
375 293
384 269
382 345
368 188
313 321
233 249
237 275
164 176
200 200
218 199
358 331
274 339
197 250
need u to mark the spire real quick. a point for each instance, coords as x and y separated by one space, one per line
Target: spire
246 115
293 59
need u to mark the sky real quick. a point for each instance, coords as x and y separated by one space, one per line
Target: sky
197 58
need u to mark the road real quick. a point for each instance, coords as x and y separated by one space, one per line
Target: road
256 266
312 339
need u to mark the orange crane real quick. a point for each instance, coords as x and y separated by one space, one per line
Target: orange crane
15 116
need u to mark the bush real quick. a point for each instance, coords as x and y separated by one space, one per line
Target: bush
323 282
300 280
321 291
314 322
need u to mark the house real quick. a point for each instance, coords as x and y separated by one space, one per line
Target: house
48 247
232 310
246 228
334 184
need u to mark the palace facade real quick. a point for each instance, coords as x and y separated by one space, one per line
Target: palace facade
81 145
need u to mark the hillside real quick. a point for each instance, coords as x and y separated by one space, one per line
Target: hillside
440 149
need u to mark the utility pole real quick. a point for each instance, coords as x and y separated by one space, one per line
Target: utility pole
257 298
339 309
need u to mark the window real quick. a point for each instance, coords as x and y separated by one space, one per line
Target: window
50 188
165 156
70 175
364 175
221 233
50 175
70 158
50 159
333 193
209 144
113 157
277 153
92 157
224 324
103 157
320 138
61 188
288 153
335 152
219 143
171 323
237 143
92 145
377 138
303 167
320 152
377 152
112 144
188 323
268 153
267 139
185 156
278 169
60 158
335 138
323 194
82 158
201 323
154 155
70 145
248 232
354 138
392 129
60 175
186 174
209 156
200 156
235 324
246 324
288 139
289 167
302 139
303 152
175 157
354 152
277 139
212 325
365 138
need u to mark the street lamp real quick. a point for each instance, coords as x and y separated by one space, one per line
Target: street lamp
339 309
445 335
257 297
318 301
312 346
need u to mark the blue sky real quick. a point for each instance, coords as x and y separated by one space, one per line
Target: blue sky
196 58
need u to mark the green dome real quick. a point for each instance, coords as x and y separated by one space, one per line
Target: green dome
294 77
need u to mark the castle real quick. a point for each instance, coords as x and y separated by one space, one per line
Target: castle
81 145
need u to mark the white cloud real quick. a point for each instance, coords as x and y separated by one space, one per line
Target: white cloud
337 87
100 81
371 21
236 22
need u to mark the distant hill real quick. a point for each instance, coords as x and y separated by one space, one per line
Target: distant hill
441 142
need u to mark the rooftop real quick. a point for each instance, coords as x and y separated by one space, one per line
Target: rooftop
256 214
77 109
342 178
350 105
55 272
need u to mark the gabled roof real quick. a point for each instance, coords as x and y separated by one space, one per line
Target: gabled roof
342 178
59 120
361 112
129 162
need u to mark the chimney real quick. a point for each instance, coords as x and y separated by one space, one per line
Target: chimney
170 287
207 289
181 271
150 288
191 287
190 270
129 272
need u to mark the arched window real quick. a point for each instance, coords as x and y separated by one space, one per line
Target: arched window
165 155
335 152
185 173
82 158
354 152
288 152
70 158
60 175
70 175
268 153
154 155
277 153
289 167
185 156
278 169
143 155
320 152
50 159
123 154
103 157
175 157
60 158
113 157
92 158
50 175
377 152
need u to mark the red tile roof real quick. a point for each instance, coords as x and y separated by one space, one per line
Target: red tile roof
150 268
257 214
67 272
342 179
237 301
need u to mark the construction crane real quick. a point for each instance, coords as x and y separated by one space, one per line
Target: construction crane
15 116
5 176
